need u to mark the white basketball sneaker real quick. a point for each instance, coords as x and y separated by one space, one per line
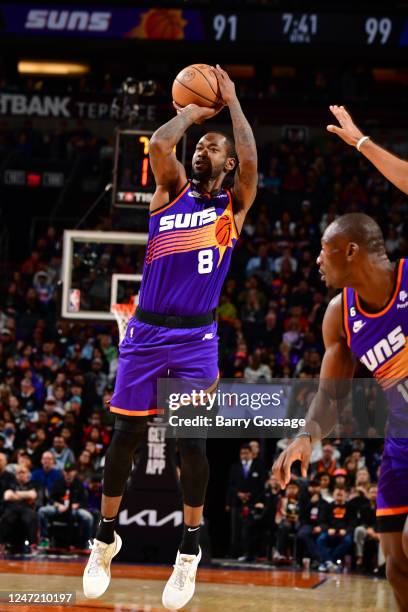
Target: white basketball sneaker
181 584
97 574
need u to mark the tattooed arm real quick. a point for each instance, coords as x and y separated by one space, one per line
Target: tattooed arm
169 173
246 177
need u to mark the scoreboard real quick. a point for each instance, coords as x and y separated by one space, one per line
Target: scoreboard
133 180
233 26
320 29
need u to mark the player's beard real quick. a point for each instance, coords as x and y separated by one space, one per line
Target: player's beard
206 173
203 175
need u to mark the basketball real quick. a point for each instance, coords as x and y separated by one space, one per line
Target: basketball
223 230
196 84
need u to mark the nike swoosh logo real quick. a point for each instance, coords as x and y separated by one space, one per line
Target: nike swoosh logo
193 529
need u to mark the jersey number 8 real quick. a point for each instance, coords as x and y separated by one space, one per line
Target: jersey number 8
205 261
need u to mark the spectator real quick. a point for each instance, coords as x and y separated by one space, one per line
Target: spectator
244 484
255 449
327 463
95 383
263 526
43 286
85 470
256 371
340 478
350 465
68 498
93 487
286 259
336 541
28 399
22 460
47 474
261 265
19 520
62 454
7 479
363 480
365 531
312 514
287 519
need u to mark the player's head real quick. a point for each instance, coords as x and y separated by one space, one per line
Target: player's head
214 156
347 244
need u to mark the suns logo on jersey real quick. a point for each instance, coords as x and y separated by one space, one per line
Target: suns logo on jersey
384 349
184 220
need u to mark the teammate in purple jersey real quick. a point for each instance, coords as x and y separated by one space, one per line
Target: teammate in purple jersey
194 225
368 321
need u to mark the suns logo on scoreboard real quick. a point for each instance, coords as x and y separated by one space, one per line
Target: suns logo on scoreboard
82 21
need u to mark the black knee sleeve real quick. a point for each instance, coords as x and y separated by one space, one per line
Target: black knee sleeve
127 438
194 470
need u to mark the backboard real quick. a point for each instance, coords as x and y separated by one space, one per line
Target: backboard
100 269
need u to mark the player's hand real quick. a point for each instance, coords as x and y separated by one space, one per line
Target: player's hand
348 131
331 532
199 114
227 87
300 449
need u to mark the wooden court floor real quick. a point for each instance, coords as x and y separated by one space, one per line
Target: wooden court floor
138 589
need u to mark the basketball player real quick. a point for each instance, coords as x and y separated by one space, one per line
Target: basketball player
174 332
367 321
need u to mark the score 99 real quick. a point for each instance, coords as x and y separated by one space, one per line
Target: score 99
378 30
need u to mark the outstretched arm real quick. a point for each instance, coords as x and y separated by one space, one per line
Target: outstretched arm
169 173
391 166
334 384
246 177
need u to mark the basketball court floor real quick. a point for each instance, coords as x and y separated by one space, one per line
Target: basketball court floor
137 588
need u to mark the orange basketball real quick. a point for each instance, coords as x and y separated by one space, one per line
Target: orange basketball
223 230
196 84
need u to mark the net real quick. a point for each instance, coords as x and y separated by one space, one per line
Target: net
122 313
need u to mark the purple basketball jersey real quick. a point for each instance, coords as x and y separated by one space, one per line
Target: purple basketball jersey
379 341
188 253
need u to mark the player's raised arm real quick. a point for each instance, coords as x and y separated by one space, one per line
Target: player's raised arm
246 177
169 173
391 166
335 378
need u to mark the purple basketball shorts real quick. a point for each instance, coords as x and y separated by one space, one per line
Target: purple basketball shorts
149 352
392 497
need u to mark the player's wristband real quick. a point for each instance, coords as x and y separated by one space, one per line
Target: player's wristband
361 141
304 434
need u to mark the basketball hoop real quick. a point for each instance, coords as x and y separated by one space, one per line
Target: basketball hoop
123 312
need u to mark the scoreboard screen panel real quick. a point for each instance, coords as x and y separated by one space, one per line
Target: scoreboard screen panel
133 180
